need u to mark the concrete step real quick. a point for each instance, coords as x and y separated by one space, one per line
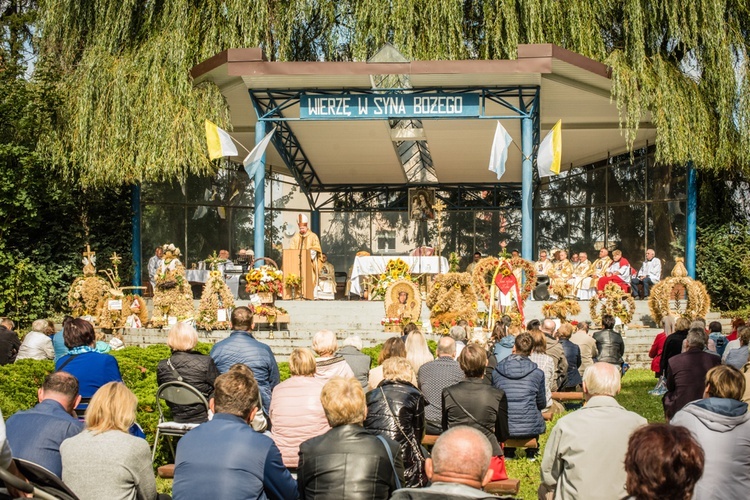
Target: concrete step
363 318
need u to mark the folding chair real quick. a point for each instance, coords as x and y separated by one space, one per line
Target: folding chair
41 482
176 393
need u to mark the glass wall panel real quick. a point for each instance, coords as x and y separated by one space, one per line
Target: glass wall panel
552 229
666 232
667 182
161 224
626 182
577 189
627 230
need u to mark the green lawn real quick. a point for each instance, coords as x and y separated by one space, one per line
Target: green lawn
634 396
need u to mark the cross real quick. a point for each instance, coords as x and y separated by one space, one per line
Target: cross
115 259
88 253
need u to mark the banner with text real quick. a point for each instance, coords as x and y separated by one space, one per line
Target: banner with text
374 106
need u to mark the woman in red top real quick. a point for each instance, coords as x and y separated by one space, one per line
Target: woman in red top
736 323
658 346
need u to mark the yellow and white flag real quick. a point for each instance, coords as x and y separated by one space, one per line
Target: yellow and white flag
219 142
550 152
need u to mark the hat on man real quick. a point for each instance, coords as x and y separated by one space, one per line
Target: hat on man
302 220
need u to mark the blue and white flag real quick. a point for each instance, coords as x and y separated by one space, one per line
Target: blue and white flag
499 153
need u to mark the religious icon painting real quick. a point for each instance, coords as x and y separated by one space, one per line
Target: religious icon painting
421 201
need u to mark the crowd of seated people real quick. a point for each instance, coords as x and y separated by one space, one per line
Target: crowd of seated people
336 430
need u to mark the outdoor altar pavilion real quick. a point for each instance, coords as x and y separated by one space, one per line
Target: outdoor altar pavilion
350 132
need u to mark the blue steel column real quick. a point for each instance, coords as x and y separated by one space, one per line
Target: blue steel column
135 245
527 181
692 219
315 222
260 197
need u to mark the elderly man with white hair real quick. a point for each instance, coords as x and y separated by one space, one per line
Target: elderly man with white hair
329 364
458 469
584 456
360 363
37 344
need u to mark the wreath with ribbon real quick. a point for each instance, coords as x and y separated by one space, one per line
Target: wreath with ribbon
484 273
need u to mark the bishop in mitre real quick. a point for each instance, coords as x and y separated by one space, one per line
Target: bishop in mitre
307 240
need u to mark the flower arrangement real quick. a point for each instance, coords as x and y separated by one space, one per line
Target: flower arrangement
216 295
396 269
443 322
265 279
615 302
293 283
269 312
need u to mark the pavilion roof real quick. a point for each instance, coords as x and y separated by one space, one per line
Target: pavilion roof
573 88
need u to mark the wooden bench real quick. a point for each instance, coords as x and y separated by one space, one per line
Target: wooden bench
429 439
522 443
166 471
567 396
504 487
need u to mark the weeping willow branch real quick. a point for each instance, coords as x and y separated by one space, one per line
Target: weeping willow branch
126 111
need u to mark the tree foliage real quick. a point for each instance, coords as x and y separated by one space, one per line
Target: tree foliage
45 221
128 111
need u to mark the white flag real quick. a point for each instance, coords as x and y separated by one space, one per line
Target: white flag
252 160
499 153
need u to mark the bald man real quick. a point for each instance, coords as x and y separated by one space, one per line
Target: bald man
459 468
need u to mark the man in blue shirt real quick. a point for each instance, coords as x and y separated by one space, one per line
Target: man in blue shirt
225 457
36 434
242 347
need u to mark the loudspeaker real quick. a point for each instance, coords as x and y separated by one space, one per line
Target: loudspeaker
541 291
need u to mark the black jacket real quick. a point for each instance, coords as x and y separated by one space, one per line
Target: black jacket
195 369
400 416
672 347
9 345
347 462
610 345
486 404
573 355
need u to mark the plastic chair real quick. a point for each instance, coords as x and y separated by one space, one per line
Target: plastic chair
176 393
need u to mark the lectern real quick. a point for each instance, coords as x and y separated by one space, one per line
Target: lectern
298 262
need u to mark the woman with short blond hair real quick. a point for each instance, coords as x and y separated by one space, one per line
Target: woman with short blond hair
395 409
104 461
296 411
189 366
329 364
